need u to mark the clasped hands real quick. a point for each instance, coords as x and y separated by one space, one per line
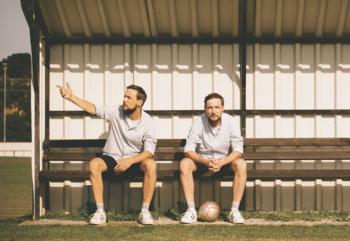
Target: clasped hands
214 164
123 164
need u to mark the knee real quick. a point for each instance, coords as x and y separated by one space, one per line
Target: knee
240 165
150 165
185 165
94 166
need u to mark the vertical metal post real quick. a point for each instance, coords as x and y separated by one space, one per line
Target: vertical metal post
243 72
47 118
5 67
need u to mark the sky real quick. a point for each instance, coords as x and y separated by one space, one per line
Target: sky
14 30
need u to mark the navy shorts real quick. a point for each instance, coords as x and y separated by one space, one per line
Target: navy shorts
111 163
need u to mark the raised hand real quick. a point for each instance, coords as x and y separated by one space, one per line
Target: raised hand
66 93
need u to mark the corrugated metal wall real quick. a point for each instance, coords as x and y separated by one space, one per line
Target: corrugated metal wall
300 76
178 77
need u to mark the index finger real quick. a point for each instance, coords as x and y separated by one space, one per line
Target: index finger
116 166
58 86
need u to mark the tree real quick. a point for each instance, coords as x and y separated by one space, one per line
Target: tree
18 107
18 66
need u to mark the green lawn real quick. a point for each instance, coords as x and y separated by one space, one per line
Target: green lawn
9 230
15 187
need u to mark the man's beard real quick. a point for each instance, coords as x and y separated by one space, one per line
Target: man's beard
214 122
129 111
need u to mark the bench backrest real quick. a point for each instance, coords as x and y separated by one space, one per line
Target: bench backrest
180 143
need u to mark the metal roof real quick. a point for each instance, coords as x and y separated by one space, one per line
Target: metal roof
195 18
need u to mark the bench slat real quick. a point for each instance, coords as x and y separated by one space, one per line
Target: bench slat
321 155
182 142
102 142
297 142
177 156
252 174
76 156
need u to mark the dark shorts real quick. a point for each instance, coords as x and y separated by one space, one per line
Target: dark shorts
111 163
224 170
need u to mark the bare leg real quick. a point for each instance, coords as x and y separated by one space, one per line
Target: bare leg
187 167
97 166
239 166
149 167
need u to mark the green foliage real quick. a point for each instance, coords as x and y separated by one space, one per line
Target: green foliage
90 207
286 216
18 107
18 66
83 214
74 215
175 213
18 128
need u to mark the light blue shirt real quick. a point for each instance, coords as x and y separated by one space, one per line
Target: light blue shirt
202 140
124 141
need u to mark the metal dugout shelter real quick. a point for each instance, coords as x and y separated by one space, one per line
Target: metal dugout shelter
283 67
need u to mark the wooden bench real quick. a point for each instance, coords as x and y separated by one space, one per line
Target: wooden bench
60 175
177 144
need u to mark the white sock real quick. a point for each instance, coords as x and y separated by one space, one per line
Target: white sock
191 205
100 207
235 205
145 206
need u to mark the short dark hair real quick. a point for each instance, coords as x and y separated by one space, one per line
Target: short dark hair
141 94
214 96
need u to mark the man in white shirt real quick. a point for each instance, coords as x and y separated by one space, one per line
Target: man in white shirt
208 149
130 146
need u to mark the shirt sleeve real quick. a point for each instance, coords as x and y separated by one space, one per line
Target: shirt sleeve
235 136
104 112
149 138
194 136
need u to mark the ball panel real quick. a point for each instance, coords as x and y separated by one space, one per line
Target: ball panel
213 213
209 211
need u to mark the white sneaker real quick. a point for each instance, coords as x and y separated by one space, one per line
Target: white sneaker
190 216
145 218
98 218
236 217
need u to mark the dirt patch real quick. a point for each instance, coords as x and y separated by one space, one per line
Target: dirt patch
165 221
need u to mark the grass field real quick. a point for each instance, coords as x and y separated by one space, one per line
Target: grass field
9 230
15 187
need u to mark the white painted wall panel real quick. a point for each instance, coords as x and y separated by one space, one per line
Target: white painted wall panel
56 76
182 77
143 71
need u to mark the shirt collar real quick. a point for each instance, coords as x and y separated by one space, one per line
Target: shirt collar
135 126
215 127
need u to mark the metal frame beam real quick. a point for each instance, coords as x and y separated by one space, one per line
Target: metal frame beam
240 40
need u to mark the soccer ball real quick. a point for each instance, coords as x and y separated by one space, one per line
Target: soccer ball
209 211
